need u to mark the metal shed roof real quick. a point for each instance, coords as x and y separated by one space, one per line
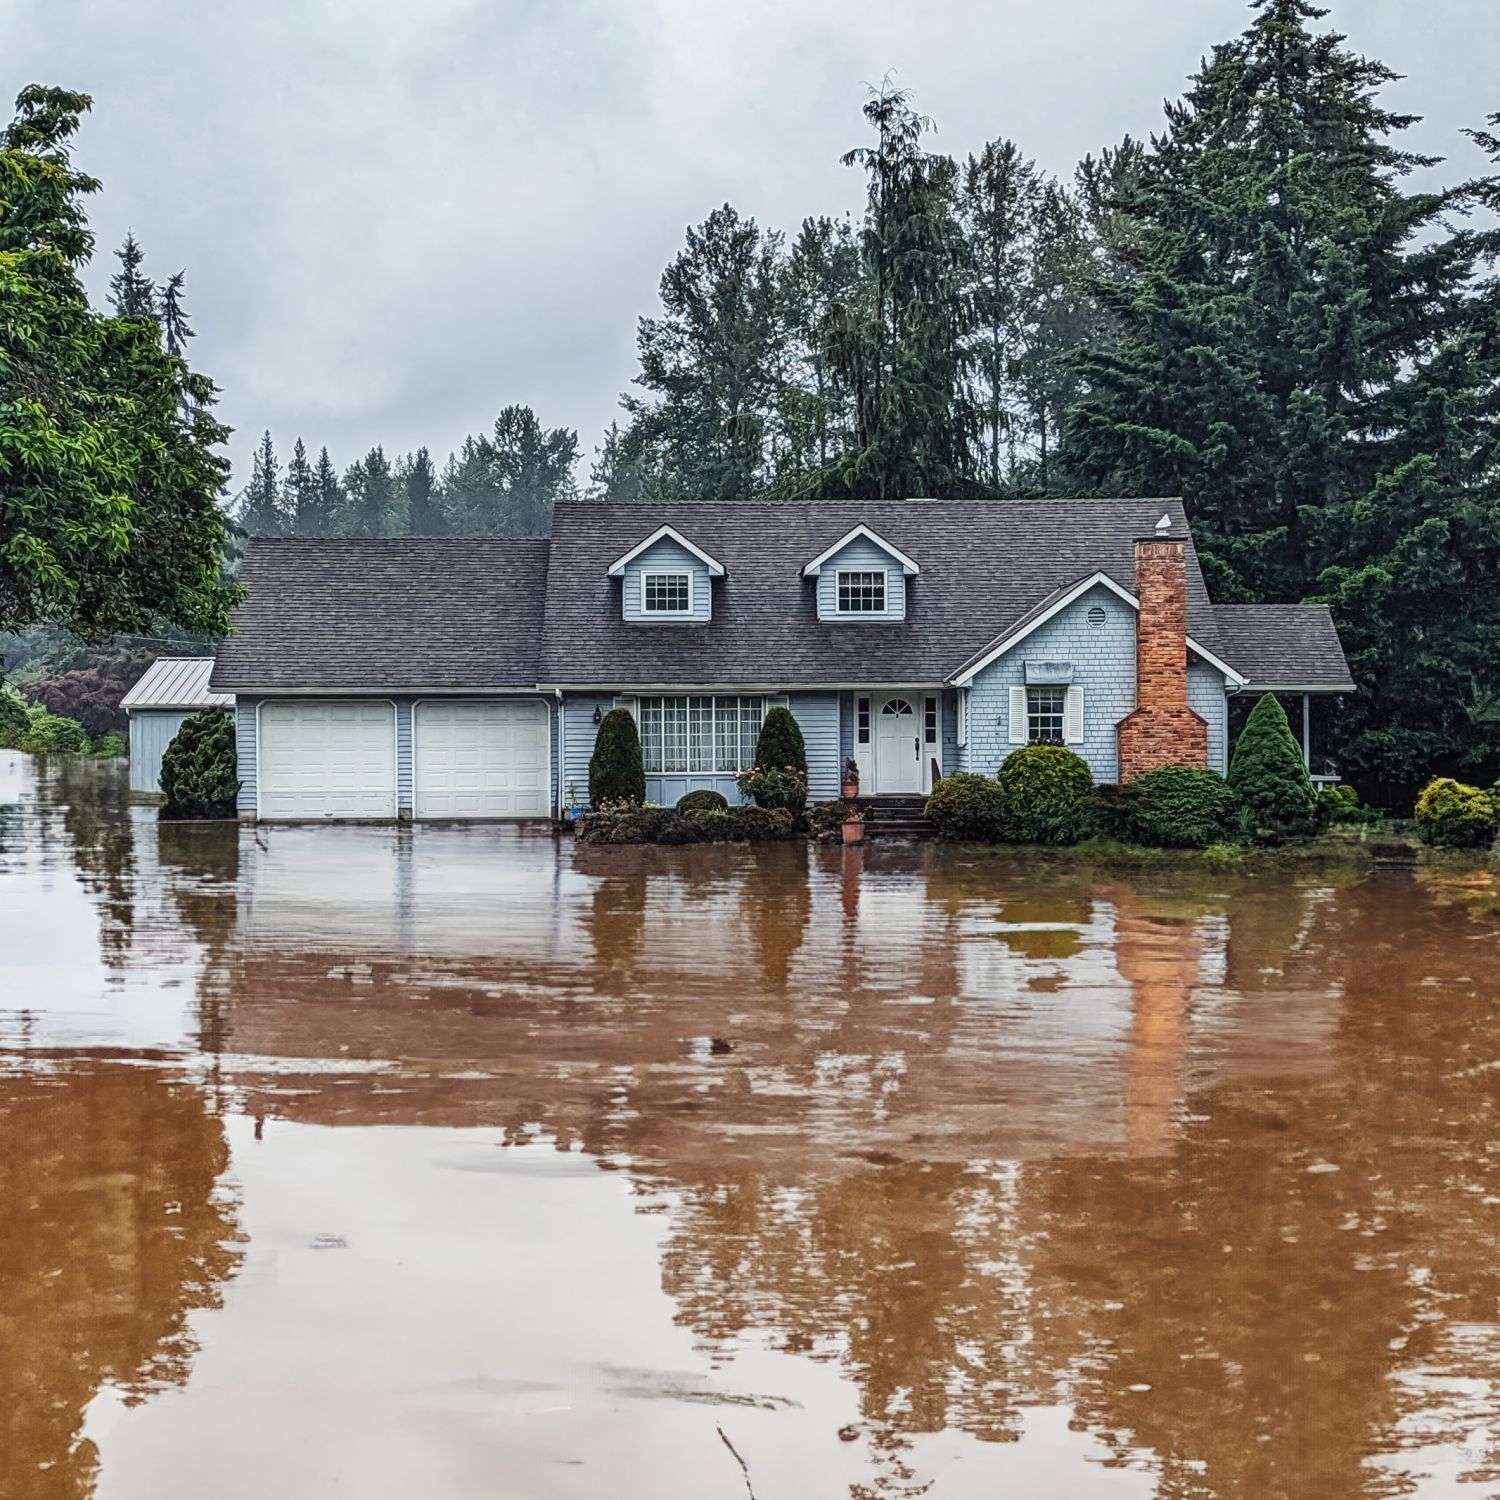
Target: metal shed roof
175 682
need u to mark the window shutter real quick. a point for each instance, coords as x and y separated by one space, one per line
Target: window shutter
1018 716
1073 717
631 706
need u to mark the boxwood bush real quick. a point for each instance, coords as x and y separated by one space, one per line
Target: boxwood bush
701 800
1179 807
1452 815
199 775
1045 795
1275 793
966 806
617 771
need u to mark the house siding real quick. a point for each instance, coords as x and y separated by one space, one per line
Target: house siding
1208 699
817 716
1103 661
672 557
245 749
151 731
865 556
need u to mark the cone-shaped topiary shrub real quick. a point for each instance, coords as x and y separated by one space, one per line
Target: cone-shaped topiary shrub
966 805
1272 788
199 776
1045 795
780 746
617 771
1180 807
1452 815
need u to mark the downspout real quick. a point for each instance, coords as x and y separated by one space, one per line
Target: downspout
562 755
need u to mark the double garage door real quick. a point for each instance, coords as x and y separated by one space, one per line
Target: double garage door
337 759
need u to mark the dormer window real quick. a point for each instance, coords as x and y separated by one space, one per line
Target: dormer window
666 593
861 592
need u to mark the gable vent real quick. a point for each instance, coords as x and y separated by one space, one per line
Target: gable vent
1097 617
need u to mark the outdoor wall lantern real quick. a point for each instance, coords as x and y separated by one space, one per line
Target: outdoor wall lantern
598 714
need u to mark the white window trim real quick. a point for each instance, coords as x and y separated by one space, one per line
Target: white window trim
671 534
667 573
861 533
637 712
883 613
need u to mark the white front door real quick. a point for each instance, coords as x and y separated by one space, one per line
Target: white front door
898 746
332 759
482 760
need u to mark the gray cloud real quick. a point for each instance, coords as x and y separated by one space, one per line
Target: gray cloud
397 218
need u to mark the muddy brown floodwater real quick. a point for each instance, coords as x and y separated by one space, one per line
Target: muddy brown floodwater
461 1163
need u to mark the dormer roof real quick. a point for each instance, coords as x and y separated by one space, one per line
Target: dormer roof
666 533
861 532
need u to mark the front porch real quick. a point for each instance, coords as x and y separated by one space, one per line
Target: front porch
902 739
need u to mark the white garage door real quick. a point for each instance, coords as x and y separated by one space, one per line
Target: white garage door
482 760
327 760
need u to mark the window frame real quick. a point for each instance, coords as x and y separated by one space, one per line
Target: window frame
678 573
1057 693
883 574
694 726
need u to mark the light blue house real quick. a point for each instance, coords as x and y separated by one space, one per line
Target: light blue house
466 678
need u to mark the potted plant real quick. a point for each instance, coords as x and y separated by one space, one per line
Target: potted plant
854 825
575 809
851 779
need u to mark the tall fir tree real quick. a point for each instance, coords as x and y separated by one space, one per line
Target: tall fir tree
423 506
507 482
259 510
175 328
299 494
132 294
328 498
613 476
373 503
1283 360
900 344
707 362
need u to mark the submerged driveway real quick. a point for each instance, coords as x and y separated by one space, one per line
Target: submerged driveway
464 1162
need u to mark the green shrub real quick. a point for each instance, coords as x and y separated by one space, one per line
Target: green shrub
771 786
702 799
113 746
1113 803
780 746
637 823
617 772
761 825
1451 815
827 817
622 823
14 720
1274 791
1339 806
199 776
966 806
709 825
52 734
1179 807
1046 793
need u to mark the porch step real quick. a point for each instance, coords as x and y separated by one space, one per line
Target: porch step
896 817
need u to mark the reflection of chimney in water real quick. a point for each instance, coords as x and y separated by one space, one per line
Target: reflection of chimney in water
1160 963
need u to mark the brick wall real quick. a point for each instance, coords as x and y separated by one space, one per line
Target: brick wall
1161 730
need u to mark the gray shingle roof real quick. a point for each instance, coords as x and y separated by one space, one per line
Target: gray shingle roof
175 682
411 612
1283 645
984 566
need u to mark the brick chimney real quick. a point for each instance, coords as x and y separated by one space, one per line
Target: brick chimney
1161 730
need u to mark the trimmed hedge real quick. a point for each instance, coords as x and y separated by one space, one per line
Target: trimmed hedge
1046 793
1273 788
966 805
1452 815
1179 807
827 817
780 746
617 770
632 823
199 774
701 800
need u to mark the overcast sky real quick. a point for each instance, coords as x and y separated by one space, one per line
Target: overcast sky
398 217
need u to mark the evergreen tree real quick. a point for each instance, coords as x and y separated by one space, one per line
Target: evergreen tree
708 364
998 205
173 317
507 483
260 502
327 499
613 476
132 293
299 494
419 481
373 504
1271 785
1288 357
899 345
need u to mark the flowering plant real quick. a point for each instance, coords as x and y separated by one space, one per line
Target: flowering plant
775 786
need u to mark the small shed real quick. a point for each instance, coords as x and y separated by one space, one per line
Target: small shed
170 689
